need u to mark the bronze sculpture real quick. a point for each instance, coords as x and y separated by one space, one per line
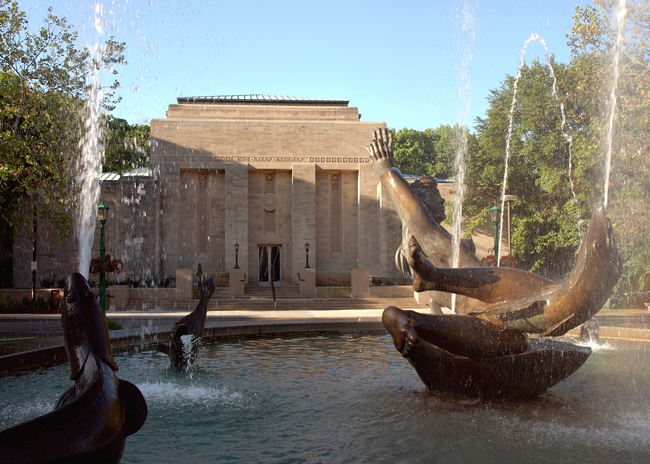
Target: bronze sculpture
92 419
505 298
185 336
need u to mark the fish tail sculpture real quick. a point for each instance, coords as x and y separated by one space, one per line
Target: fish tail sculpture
92 419
181 350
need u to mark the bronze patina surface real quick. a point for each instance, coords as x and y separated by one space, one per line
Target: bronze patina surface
468 356
92 419
506 299
184 340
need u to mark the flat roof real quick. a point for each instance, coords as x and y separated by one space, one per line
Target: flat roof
138 172
263 99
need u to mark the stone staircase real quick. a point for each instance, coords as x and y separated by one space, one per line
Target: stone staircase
261 303
281 292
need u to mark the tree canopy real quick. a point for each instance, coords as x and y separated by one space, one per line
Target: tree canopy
545 231
555 197
429 152
126 145
592 41
42 92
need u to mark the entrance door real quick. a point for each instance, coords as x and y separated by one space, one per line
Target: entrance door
269 265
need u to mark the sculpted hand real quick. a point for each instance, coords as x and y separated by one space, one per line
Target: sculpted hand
380 150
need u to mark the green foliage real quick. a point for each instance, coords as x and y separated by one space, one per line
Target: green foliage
628 205
404 280
126 146
7 306
429 152
546 230
113 324
42 91
47 281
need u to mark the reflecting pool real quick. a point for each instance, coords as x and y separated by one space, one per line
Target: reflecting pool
353 398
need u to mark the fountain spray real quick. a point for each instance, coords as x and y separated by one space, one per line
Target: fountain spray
621 11
92 153
460 140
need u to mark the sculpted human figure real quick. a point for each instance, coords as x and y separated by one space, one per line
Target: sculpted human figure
426 189
504 296
484 349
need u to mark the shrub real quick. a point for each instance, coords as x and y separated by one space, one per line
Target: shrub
47 281
506 261
329 282
7 306
404 280
60 283
113 325
376 281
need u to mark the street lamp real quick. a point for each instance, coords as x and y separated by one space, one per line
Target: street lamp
495 214
102 215
236 255
307 254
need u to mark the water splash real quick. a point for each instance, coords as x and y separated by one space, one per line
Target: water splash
621 12
465 44
191 345
92 152
173 394
533 37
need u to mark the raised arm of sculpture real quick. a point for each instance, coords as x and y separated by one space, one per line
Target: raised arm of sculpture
434 240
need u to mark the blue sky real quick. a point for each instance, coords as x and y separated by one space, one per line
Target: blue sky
406 63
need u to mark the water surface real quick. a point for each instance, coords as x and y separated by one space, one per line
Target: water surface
352 398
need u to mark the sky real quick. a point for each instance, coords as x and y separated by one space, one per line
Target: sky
413 64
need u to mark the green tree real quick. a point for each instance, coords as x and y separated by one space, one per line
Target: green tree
592 41
42 91
43 87
429 152
126 146
545 217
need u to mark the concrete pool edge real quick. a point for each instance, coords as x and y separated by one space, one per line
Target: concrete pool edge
148 330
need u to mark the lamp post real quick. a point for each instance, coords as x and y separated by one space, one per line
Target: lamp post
236 255
102 215
495 213
307 255
509 199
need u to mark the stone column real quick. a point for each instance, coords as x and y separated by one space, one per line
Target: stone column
369 230
307 283
390 226
236 215
303 217
236 283
360 283
183 284
169 221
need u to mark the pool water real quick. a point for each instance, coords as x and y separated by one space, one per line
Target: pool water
352 398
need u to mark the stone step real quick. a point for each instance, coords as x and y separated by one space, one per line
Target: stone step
266 292
267 304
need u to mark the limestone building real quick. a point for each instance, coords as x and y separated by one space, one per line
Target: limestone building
269 173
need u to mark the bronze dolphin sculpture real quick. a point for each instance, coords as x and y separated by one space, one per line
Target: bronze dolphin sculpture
182 354
467 356
92 419
521 300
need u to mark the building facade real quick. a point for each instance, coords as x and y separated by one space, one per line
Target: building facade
268 173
